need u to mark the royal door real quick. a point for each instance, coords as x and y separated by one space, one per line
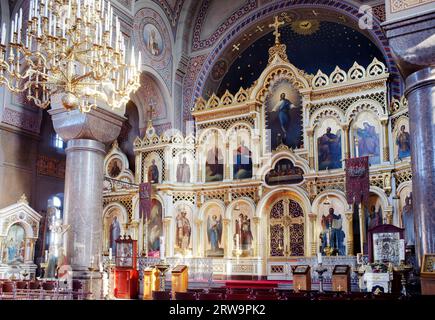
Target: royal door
286 229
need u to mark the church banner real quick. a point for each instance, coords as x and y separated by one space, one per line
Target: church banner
357 180
145 200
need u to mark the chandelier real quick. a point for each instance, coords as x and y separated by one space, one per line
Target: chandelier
71 48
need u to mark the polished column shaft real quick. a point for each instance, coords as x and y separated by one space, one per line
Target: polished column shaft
420 92
83 194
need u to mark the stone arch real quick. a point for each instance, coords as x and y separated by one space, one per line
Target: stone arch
327 111
284 154
152 91
275 73
364 105
348 10
266 204
106 227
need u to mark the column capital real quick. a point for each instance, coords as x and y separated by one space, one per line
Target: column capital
312 216
99 124
408 35
345 126
310 131
256 220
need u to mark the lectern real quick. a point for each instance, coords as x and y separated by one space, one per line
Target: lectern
341 278
126 275
151 282
301 278
427 275
180 279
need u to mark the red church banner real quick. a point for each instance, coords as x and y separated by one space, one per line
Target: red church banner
145 200
357 180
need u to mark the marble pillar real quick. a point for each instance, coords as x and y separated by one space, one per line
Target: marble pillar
226 237
420 92
86 135
411 38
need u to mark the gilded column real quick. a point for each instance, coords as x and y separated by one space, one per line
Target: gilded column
199 250
386 150
168 239
227 172
313 243
225 237
389 215
362 227
345 128
349 242
310 133
257 233
138 162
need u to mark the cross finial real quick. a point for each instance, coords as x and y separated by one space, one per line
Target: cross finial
151 108
276 24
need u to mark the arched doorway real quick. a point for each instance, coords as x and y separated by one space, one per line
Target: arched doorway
286 228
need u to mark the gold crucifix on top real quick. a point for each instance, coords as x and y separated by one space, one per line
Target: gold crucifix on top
276 24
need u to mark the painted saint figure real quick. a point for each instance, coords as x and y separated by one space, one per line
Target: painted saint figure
183 172
155 229
332 234
242 168
152 45
115 170
374 218
214 165
115 233
403 142
214 234
184 231
283 108
368 143
153 172
408 221
243 235
329 148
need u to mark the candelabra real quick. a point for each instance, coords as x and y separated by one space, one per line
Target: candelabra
71 48
321 270
404 270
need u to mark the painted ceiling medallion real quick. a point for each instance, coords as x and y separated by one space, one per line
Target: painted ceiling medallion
305 27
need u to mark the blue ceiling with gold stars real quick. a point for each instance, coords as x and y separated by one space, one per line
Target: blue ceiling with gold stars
327 45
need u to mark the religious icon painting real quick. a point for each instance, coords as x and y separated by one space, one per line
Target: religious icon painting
183 230
333 229
329 151
242 156
402 140
114 168
183 168
155 229
242 230
284 115
153 166
284 172
153 39
214 162
113 222
366 134
214 227
15 247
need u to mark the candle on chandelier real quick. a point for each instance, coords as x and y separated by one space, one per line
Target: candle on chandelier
30 10
402 250
46 8
79 15
3 40
46 256
110 253
319 257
